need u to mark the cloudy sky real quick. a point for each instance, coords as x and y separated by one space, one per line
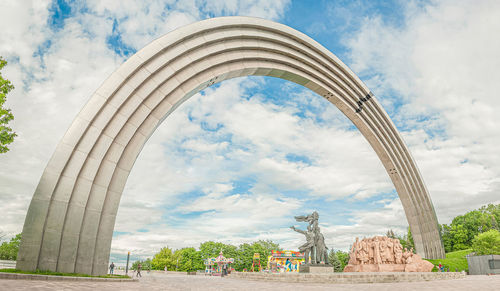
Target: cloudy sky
237 161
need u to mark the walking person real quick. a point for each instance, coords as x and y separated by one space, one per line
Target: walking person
139 268
224 270
111 268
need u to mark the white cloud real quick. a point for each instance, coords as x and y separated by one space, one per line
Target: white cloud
443 64
53 86
175 162
458 161
366 224
232 219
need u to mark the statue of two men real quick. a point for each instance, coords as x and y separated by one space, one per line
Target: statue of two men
315 246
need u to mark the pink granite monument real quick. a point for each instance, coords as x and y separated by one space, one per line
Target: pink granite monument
384 254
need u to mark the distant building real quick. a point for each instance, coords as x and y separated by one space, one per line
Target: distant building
484 265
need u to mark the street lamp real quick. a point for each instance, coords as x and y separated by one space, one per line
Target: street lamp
126 268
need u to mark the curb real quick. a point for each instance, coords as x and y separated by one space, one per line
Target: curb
16 276
349 278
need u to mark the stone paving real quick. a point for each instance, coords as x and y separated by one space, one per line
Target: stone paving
160 281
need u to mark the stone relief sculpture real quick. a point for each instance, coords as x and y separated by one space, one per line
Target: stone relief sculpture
384 254
315 246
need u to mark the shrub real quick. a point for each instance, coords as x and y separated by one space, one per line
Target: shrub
487 243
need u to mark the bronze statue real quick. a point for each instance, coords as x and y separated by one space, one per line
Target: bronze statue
306 248
315 241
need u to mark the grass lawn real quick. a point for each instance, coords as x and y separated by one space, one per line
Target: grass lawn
454 260
38 272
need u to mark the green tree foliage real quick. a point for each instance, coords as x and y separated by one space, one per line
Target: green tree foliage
460 237
409 243
463 228
405 240
390 233
9 250
487 243
334 260
343 258
6 134
145 265
264 247
244 256
190 260
460 233
165 257
212 249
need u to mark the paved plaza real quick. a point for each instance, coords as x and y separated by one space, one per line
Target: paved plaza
160 281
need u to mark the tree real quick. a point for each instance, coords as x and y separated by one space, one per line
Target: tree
190 260
334 261
145 264
6 133
487 243
410 244
494 223
244 256
463 228
9 250
165 257
390 234
212 249
460 237
406 240
343 258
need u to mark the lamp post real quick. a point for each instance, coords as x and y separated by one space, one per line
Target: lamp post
126 267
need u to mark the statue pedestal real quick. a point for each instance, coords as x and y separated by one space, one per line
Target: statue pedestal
320 268
417 266
375 268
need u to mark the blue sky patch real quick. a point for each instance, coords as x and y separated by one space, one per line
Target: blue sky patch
59 11
297 158
116 43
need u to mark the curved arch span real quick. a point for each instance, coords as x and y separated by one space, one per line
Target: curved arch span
70 221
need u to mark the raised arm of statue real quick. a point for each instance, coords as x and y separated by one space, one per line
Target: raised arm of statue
298 230
302 218
301 231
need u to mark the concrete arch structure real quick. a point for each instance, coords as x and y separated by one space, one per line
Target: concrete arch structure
70 221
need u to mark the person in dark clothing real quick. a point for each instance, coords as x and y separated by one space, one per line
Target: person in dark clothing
139 268
111 268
